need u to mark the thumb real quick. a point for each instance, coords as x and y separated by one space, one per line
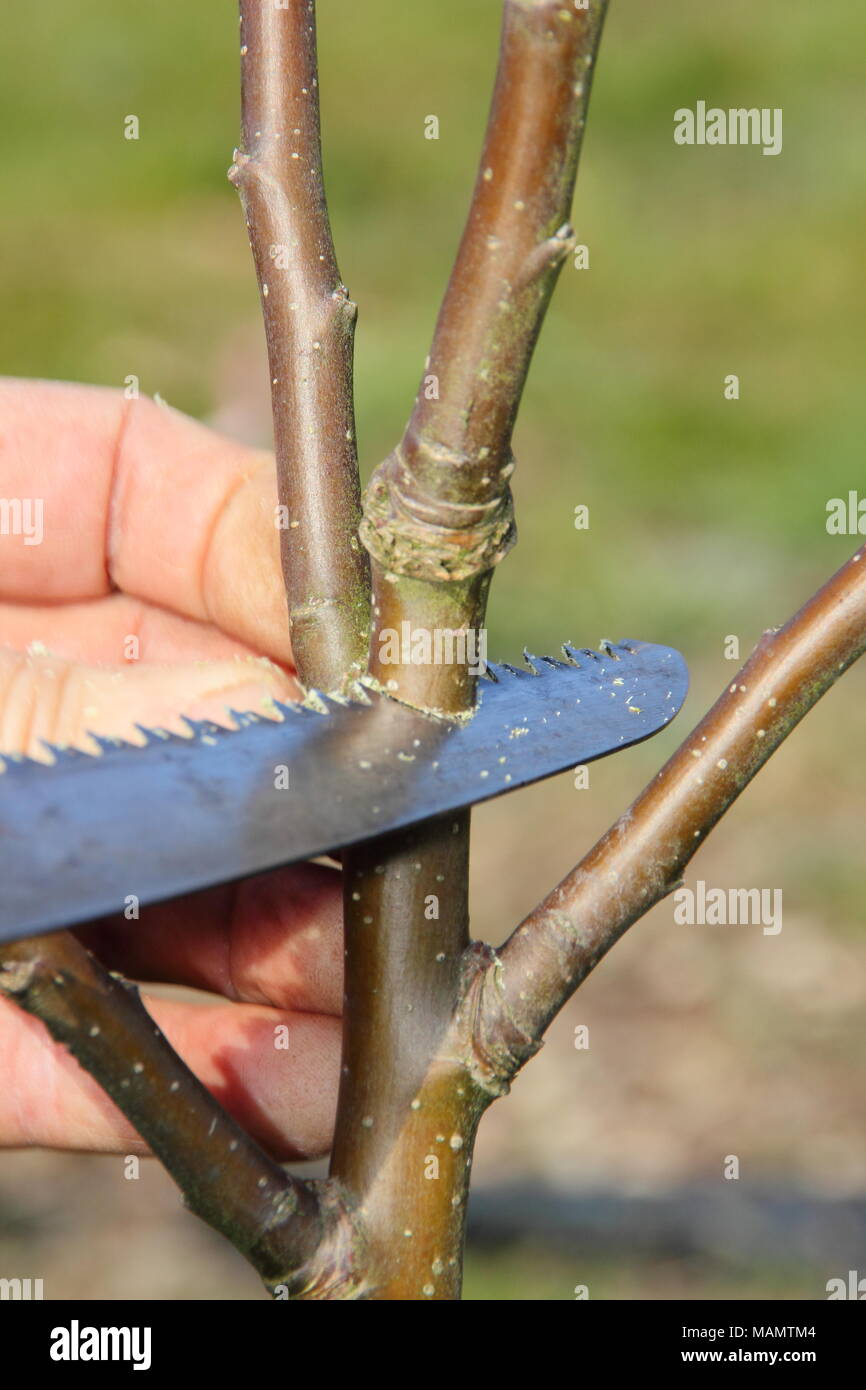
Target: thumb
43 698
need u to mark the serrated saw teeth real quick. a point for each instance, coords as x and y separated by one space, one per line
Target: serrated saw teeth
316 700
195 726
287 708
240 719
17 762
185 811
105 742
62 753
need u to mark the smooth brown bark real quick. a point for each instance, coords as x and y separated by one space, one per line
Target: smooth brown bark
226 1179
407 1111
437 518
643 856
439 507
310 326
297 1234
434 1027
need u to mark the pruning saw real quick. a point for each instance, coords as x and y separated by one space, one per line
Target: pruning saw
82 835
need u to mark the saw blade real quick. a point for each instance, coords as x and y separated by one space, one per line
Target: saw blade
89 835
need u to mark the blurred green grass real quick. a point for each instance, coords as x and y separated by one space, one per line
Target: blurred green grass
129 256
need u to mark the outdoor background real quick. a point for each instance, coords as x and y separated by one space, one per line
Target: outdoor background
707 519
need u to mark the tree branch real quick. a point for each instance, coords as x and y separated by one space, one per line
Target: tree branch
309 325
294 1233
439 507
437 518
516 994
291 1232
407 1112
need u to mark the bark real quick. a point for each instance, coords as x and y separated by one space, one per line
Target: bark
303 1236
278 1223
437 518
310 327
439 507
435 1027
643 856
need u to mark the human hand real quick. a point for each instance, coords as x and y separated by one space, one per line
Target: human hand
140 581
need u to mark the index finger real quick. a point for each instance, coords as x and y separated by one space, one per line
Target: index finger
98 492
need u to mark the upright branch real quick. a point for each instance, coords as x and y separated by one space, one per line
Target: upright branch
310 326
439 507
643 856
283 1227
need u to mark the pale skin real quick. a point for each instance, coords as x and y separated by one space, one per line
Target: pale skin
155 527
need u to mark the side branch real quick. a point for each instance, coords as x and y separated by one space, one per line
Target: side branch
283 1227
309 325
439 507
643 856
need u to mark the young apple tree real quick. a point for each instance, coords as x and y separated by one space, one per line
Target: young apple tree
434 1028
